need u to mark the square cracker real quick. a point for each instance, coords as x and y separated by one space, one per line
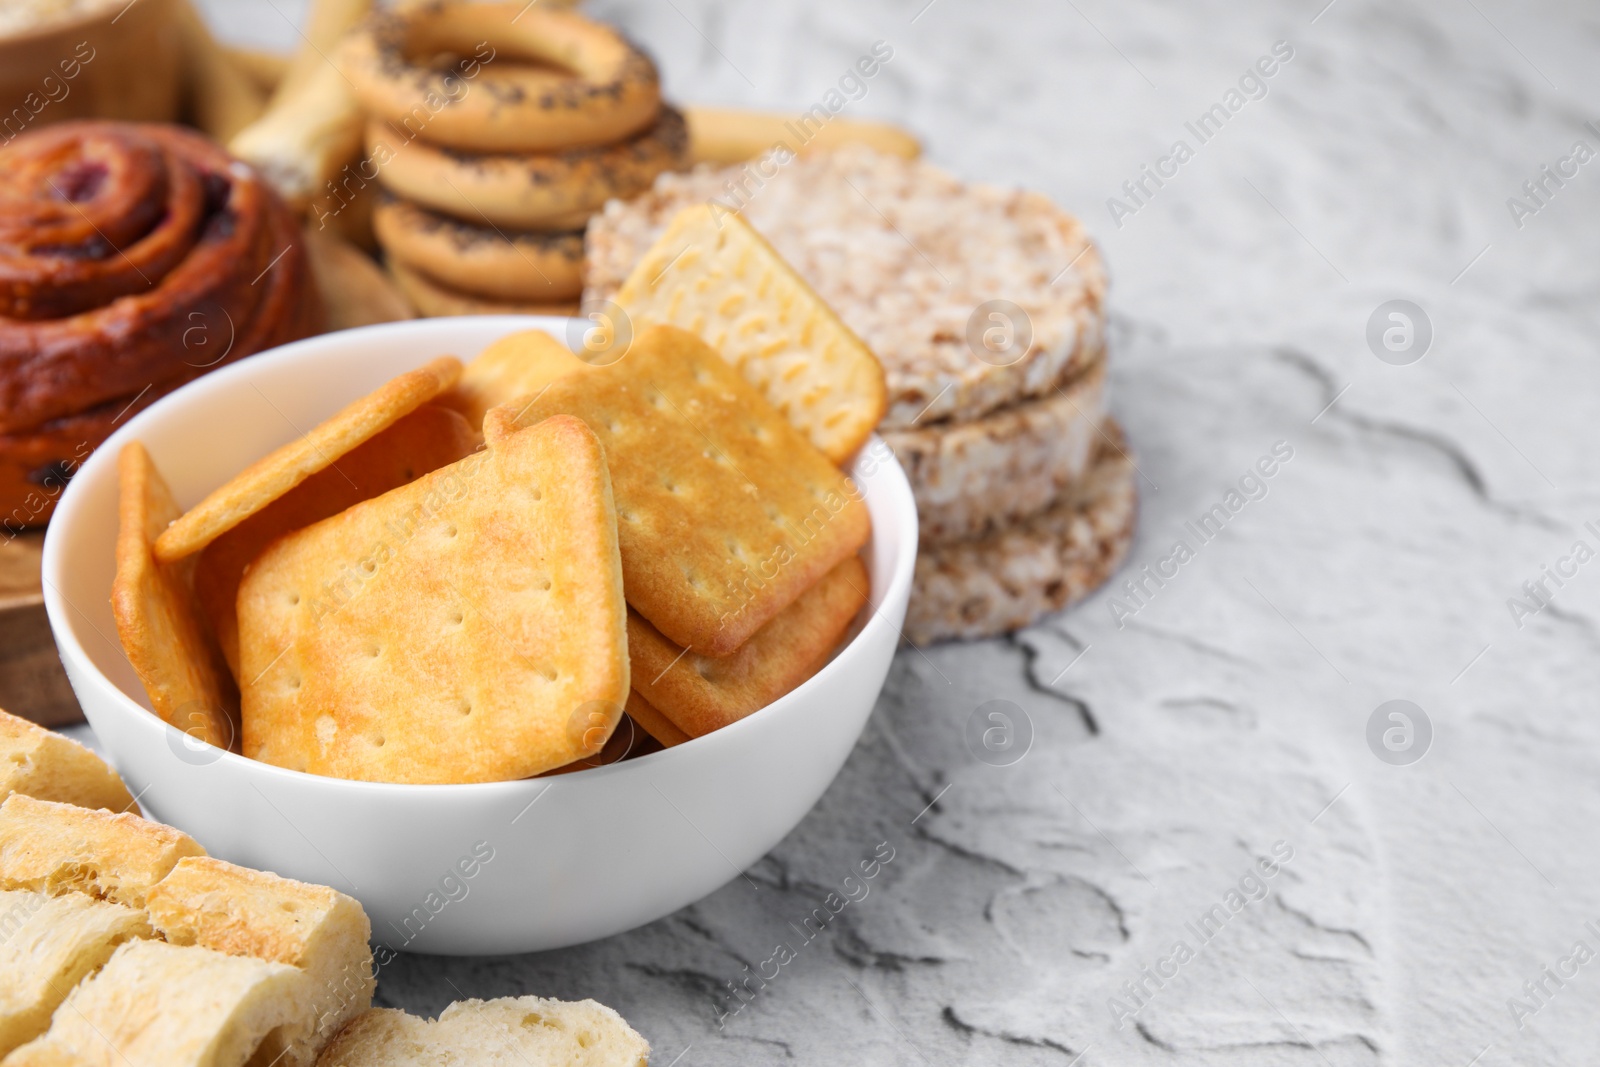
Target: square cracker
714 275
47 946
466 627
425 440
44 764
173 1005
55 848
726 512
158 616
652 722
519 364
320 931
279 471
698 693
625 741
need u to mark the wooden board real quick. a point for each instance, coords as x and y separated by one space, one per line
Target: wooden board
32 683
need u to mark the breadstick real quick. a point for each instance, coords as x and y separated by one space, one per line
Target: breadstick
732 135
222 99
312 128
305 138
326 23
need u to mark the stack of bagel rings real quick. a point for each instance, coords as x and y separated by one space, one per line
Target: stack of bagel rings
496 130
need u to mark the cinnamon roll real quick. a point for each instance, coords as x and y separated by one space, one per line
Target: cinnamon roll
133 258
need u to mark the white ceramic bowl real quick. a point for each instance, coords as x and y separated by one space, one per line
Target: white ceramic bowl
570 858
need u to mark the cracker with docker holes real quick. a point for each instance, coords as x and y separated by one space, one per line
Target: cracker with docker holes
463 628
275 474
425 440
712 274
726 513
699 694
519 364
158 616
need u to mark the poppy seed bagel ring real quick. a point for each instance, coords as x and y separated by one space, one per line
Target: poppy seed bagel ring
546 192
491 103
499 264
434 300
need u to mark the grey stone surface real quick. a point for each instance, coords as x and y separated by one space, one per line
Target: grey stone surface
1175 746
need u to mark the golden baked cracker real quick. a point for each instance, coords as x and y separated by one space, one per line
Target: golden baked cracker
462 628
615 732
49 766
726 512
158 616
714 275
61 848
701 693
519 364
649 717
425 440
279 471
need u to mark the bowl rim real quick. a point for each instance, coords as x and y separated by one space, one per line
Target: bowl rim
902 505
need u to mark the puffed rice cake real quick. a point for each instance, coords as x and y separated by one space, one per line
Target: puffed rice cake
906 254
989 585
971 478
1024 505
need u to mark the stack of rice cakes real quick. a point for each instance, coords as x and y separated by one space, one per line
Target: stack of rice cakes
986 308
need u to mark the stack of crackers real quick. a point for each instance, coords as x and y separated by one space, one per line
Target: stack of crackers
468 575
986 307
122 944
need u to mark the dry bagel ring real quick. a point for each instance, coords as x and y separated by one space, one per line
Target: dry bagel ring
514 265
553 192
613 92
433 300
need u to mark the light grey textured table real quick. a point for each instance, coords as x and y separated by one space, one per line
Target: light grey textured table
1228 713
